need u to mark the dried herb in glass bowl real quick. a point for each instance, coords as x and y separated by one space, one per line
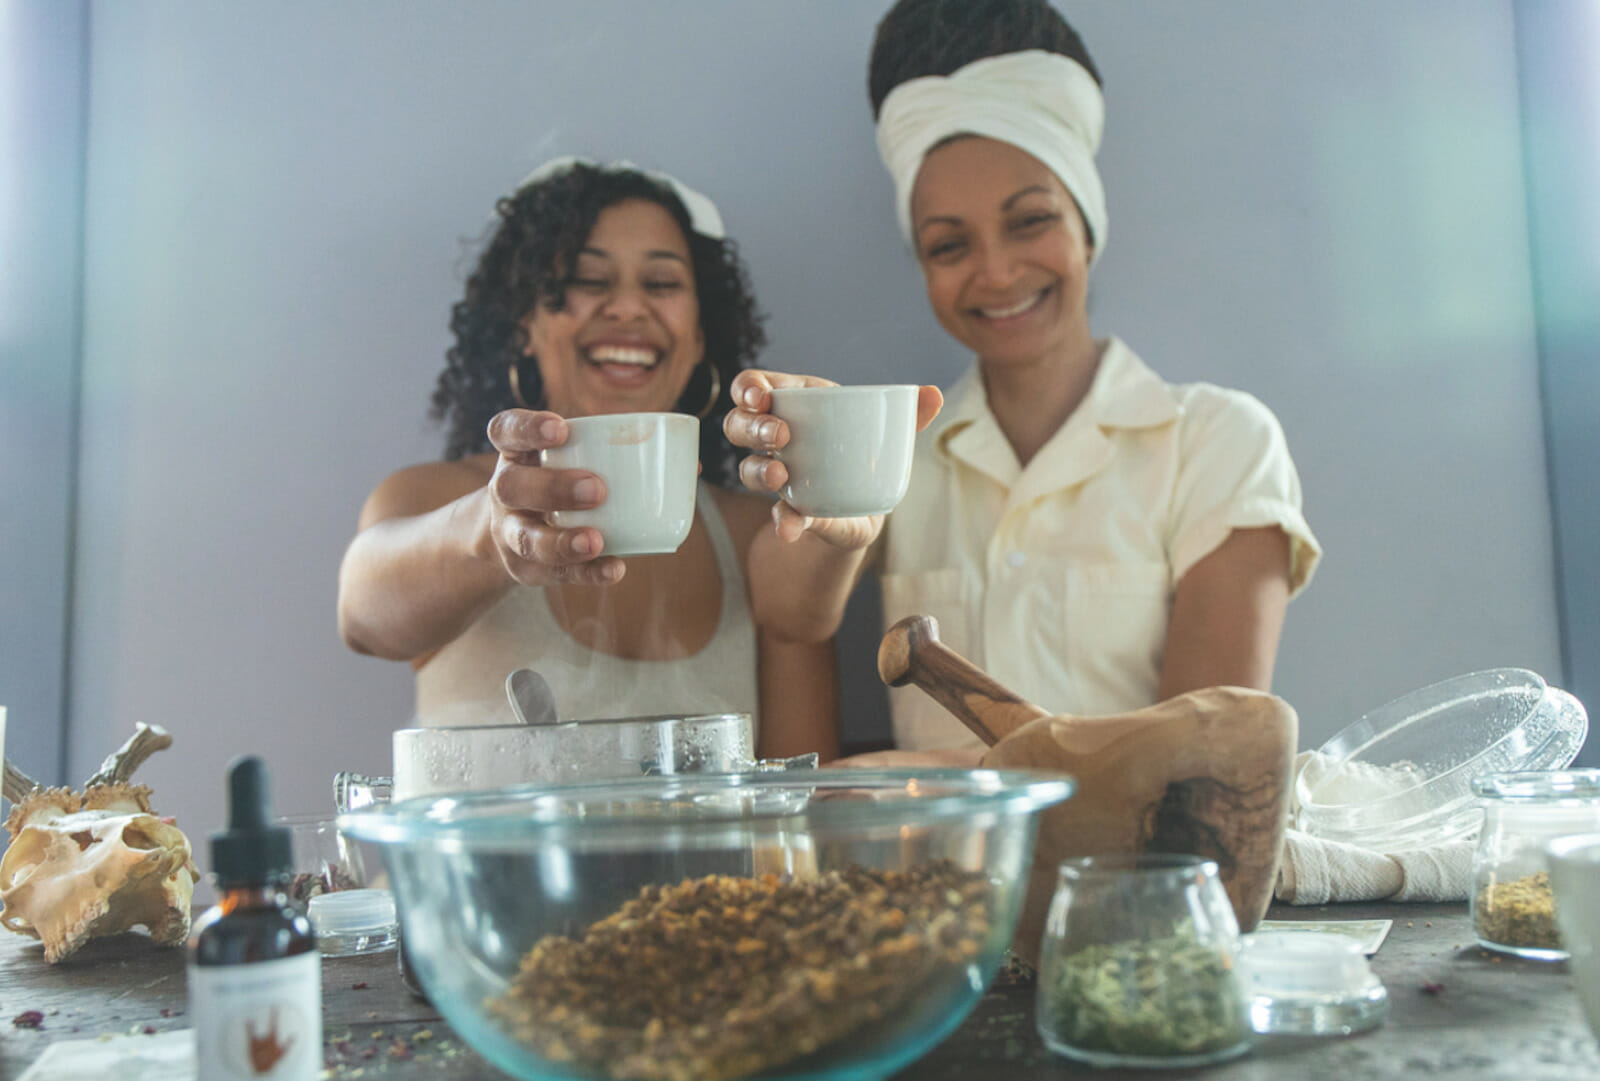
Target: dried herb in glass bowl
723 977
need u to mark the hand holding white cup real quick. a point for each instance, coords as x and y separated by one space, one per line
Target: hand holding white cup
755 424
648 462
849 448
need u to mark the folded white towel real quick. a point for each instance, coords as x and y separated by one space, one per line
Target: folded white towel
1317 871
1314 871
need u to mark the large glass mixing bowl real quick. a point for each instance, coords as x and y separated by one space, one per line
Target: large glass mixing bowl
830 924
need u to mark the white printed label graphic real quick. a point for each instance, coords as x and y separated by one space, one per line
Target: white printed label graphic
258 1022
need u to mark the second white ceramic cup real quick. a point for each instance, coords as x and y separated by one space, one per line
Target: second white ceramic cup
849 450
648 462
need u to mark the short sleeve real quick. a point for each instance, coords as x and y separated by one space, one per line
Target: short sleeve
1235 472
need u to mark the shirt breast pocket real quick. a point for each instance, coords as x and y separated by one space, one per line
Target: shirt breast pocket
938 594
1116 629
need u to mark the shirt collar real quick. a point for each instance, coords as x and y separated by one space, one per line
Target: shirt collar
1125 393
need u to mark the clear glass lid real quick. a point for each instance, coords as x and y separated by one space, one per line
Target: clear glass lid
1402 775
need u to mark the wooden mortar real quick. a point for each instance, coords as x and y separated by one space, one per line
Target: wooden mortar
1205 773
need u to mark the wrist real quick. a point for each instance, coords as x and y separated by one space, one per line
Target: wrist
476 512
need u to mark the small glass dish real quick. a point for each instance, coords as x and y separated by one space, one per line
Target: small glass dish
1401 777
354 921
1512 901
324 859
1138 964
1310 983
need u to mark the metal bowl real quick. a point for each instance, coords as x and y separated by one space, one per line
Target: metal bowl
429 761
786 917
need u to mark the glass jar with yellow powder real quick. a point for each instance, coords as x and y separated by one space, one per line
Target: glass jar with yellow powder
1513 906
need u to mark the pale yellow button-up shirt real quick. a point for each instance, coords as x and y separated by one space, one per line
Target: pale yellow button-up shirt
1057 578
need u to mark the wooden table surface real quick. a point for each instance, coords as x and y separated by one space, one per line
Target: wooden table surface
1456 1011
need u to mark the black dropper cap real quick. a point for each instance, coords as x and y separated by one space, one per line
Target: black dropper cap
249 852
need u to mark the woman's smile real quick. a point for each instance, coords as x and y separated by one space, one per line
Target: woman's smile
621 364
1001 316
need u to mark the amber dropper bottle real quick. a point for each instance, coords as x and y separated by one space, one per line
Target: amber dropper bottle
255 974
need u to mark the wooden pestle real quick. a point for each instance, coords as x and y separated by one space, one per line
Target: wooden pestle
912 653
1205 773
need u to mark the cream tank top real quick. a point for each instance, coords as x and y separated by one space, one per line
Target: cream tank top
464 683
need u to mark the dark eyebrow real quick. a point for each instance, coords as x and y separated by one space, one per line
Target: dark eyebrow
1040 188
947 219
1032 189
662 253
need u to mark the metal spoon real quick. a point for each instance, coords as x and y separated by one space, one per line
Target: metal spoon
531 698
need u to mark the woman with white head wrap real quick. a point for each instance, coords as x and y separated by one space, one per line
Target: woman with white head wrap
602 288
1094 537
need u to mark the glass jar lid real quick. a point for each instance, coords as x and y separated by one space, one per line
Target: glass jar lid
1540 786
351 912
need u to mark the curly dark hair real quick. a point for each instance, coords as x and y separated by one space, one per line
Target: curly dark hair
935 37
529 260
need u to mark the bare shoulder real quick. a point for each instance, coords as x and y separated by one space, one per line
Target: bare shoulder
418 489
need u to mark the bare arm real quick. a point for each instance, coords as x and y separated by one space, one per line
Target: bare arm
417 574
798 681
803 570
440 543
1227 615
799 697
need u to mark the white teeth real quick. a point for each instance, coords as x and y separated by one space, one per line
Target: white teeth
617 354
1016 309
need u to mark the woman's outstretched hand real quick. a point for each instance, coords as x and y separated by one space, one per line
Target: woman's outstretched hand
751 425
522 493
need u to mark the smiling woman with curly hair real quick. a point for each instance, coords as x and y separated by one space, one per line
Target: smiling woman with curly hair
531 258
603 289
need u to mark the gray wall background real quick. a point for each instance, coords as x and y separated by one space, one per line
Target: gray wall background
1321 204
42 116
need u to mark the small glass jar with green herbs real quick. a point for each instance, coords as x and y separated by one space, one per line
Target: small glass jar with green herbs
1138 965
1513 906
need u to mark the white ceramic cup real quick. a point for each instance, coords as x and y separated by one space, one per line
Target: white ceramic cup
648 462
1574 863
849 450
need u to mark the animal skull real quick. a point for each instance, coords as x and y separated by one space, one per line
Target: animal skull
91 863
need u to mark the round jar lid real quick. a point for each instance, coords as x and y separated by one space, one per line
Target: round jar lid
352 912
1310 983
1304 963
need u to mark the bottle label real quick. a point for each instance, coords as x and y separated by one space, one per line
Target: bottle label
258 1020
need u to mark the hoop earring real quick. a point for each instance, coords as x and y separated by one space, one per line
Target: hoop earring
515 379
716 391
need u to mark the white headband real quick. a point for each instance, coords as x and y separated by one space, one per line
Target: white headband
703 216
1041 102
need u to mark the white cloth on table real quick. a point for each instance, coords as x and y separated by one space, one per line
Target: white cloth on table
1315 870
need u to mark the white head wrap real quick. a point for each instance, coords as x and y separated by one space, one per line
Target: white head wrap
703 215
1041 102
